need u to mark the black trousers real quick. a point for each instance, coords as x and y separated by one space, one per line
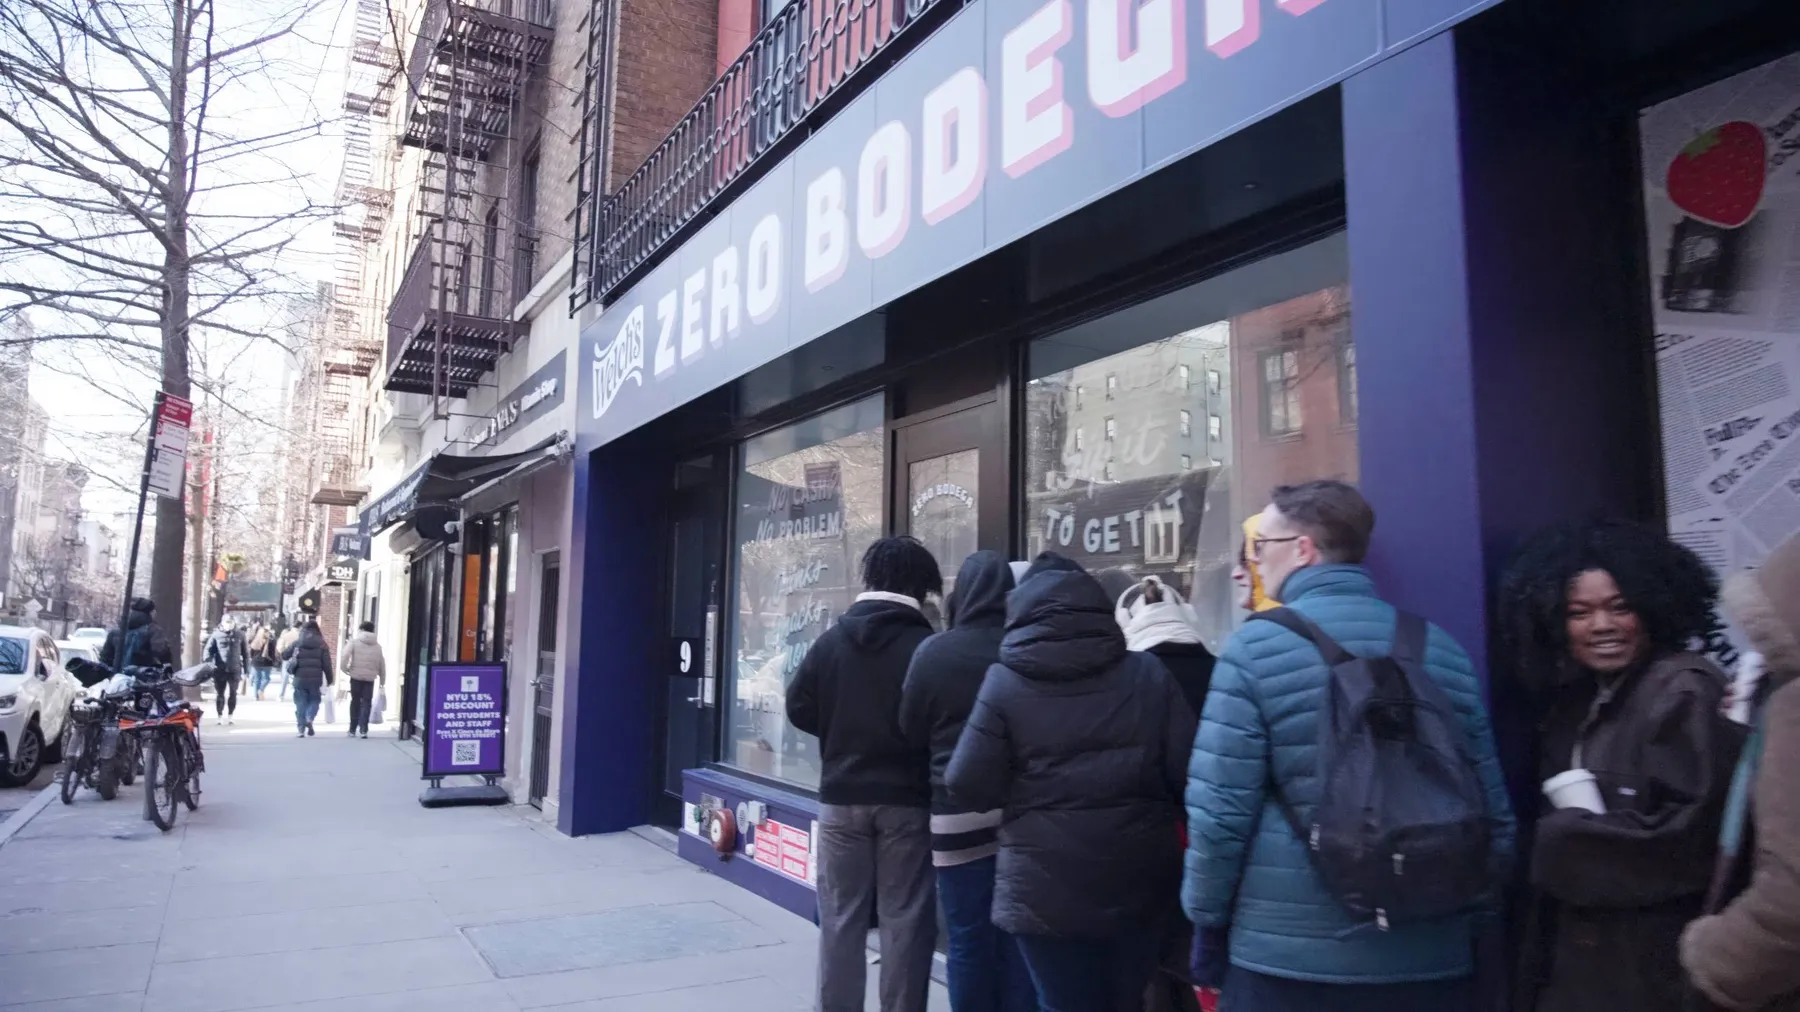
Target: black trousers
362 696
225 686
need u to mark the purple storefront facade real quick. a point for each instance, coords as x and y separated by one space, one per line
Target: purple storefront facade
1090 275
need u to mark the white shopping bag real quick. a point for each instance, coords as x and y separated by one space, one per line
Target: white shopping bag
330 704
380 707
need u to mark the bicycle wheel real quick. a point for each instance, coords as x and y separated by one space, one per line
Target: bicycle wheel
195 761
131 758
72 774
163 776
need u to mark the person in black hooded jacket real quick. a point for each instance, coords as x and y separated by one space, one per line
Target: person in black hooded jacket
874 786
1085 744
986 971
144 645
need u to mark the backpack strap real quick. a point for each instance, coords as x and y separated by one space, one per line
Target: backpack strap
1331 650
1409 638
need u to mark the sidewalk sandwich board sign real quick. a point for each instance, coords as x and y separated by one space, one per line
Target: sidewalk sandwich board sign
465 720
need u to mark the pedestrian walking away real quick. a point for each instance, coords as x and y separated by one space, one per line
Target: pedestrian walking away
986 969
227 652
1743 957
284 643
143 642
1276 730
262 658
309 660
874 786
1636 753
1083 744
363 663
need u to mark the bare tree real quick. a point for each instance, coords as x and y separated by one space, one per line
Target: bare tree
144 203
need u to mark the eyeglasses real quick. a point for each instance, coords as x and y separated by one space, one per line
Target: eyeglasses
1256 544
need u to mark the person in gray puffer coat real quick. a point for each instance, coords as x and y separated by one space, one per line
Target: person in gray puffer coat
364 664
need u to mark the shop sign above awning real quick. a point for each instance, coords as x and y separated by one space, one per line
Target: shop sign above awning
1011 115
447 477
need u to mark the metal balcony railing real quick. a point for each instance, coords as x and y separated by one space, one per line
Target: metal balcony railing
468 66
811 58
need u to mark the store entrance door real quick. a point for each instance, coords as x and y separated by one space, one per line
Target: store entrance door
950 484
689 667
543 684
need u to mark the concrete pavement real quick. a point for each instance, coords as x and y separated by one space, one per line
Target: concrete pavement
311 879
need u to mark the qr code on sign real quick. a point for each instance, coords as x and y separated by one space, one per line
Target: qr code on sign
465 753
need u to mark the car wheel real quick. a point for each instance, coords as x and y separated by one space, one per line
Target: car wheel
26 759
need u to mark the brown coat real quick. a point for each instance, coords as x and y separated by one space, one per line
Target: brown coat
1612 892
1747 958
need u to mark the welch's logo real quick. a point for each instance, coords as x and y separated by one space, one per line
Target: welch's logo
619 362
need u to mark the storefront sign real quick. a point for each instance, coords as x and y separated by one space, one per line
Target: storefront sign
530 400
342 571
1142 526
1013 114
1722 215
349 543
465 720
784 848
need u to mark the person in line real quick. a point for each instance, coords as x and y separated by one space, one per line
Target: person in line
1157 621
144 643
309 661
226 652
1246 575
262 658
1746 958
1595 619
874 786
1083 744
364 664
284 642
1282 940
986 970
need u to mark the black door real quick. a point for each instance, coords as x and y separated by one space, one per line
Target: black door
689 667
543 684
950 484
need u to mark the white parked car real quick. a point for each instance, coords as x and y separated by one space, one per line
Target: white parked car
35 693
71 649
90 635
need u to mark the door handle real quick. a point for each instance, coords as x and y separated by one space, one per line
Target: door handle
696 699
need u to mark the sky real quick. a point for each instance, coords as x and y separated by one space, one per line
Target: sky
95 427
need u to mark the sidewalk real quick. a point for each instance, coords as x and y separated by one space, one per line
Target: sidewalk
311 879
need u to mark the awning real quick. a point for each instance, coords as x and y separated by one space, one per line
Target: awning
448 477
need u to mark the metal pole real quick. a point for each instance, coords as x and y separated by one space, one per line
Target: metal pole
137 529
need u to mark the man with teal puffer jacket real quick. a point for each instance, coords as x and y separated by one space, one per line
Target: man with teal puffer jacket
1291 945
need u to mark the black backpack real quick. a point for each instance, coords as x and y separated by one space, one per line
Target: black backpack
1402 830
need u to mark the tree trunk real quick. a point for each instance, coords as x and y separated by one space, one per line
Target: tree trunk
171 519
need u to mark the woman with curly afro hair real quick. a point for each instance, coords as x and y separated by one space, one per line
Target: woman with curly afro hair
1596 620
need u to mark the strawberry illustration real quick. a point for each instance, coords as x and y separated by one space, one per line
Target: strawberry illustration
1718 178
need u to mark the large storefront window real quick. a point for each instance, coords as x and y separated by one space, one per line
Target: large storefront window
1153 432
809 501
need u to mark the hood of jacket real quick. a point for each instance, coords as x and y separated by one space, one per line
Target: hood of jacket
1148 623
138 619
980 595
876 620
1334 579
366 638
1060 627
1765 604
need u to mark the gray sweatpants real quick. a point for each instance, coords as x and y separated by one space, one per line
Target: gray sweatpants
875 863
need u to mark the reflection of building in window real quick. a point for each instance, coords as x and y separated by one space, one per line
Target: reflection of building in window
1112 430
1280 372
1162 535
1080 439
1080 395
1187 462
1112 386
1213 381
1346 380
1187 420
1185 375
1106 473
1215 428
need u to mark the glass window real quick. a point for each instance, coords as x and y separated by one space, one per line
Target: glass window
1112 387
1187 422
1143 501
1185 376
1080 440
809 501
1080 395
1280 371
1346 381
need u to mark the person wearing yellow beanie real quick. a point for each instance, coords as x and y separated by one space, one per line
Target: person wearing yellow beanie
1247 576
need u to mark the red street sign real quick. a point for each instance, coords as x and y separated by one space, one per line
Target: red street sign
168 445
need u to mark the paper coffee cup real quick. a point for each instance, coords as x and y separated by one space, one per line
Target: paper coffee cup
1575 789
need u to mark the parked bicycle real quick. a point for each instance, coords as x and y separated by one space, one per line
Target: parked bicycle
167 727
95 753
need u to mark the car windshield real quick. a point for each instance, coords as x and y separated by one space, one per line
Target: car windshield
12 656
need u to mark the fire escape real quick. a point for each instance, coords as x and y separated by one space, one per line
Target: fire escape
450 318
348 350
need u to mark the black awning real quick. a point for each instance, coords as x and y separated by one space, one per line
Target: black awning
443 479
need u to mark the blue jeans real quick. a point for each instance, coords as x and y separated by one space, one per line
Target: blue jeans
987 971
1246 991
1091 974
259 679
306 703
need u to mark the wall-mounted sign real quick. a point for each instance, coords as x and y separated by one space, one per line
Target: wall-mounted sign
349 543
342 571
1014 113
784 848
541 392
465 720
